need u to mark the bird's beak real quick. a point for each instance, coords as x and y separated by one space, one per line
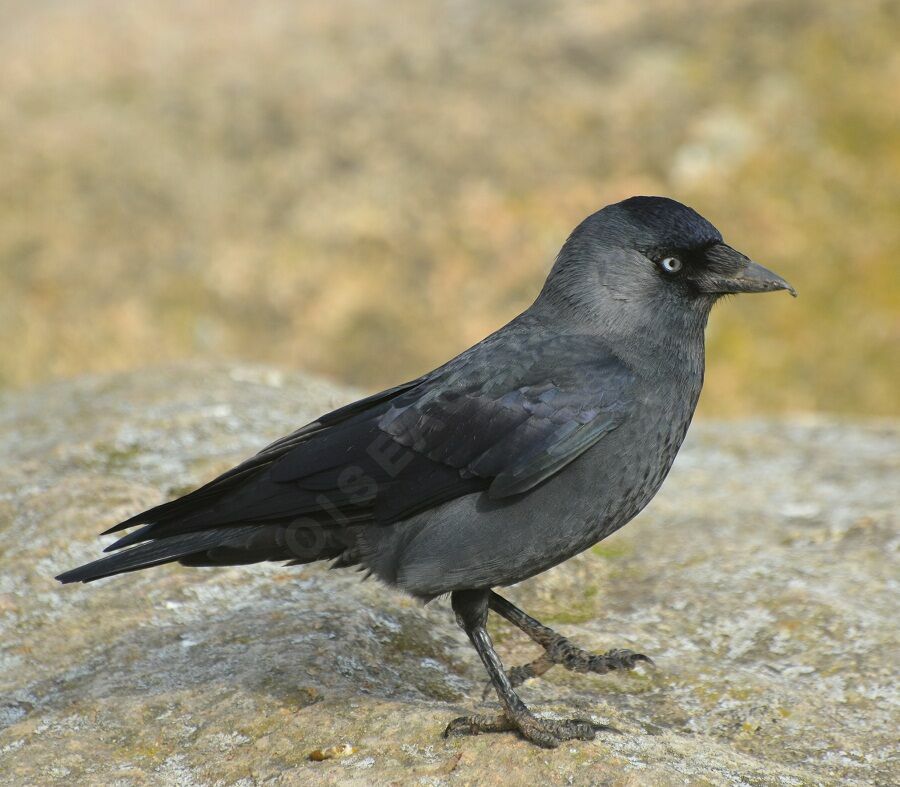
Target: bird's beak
729 271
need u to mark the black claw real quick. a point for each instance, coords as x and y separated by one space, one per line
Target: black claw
616 659
636 657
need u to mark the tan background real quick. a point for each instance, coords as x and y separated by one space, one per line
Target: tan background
364 189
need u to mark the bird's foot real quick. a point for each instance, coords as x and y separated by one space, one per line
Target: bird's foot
561 651
547 733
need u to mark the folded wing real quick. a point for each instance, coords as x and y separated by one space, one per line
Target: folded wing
502 417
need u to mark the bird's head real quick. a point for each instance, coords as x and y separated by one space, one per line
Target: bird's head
653 251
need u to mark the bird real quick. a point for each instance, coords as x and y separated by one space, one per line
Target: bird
526 449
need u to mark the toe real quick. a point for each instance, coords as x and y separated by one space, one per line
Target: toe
539 732
578 729
459 726
582 729
518 675
463 725
619 659
475 725
547 733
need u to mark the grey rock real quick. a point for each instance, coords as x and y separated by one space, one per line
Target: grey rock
762 580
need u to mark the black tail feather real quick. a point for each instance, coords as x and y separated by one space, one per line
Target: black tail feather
156 553
224 546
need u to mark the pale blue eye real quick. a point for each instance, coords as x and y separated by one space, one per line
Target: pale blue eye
671 264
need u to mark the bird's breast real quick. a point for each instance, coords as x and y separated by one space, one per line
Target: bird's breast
626 469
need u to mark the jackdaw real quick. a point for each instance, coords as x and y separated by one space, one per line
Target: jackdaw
521 452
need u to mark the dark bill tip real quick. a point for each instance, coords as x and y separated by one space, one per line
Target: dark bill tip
736 273
755 278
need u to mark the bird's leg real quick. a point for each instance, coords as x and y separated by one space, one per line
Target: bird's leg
471 608
557 649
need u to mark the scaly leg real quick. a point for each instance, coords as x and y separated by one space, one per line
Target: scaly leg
557 649
471 608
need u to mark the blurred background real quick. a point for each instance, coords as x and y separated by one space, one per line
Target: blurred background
363 189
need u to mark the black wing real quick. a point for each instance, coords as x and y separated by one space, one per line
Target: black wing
545 403
503 417
221 486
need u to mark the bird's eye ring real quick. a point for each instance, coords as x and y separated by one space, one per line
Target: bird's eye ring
671 264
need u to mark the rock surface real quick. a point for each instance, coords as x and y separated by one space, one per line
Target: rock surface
762 580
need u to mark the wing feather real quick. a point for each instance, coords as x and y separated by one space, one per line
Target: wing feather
504 417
